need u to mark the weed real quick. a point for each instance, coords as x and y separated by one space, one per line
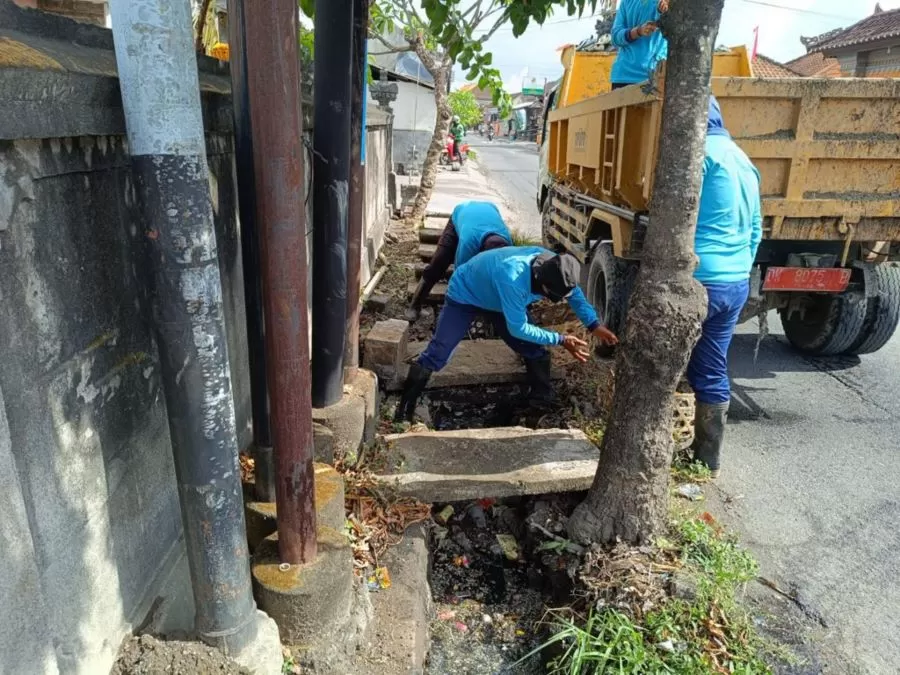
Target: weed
707 633
685 471
519 238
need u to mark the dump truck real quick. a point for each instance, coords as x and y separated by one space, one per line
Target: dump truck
828 153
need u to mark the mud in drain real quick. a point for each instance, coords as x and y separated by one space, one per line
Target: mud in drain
492 583
476 407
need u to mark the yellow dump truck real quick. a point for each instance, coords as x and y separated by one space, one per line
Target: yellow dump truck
828 152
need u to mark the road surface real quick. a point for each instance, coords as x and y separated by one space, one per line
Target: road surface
511 169
811 470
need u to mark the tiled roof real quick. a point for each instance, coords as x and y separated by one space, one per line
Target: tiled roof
815 65
763 66
879 26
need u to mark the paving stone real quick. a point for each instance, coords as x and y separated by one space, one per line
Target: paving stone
466 464
386 345
378 302
473 362
438 292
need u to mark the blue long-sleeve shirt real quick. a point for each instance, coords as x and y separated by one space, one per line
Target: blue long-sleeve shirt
500 281
636 61
729 225
474 221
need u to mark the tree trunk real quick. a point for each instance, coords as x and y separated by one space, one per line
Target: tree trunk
629 497
441 75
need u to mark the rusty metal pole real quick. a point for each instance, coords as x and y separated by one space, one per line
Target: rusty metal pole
273 67
357 207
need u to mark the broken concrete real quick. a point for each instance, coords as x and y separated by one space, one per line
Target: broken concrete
474 362
352 420
437 294
445 466
397 640
384 349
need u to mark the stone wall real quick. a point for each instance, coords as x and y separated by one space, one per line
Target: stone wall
91 533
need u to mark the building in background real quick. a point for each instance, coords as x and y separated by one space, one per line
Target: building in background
86 11
414 109
868 48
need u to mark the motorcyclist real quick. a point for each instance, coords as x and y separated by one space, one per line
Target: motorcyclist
457 131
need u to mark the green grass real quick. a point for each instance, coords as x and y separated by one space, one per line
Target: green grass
707 633
519 238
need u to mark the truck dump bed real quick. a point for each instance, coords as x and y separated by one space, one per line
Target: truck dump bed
828 151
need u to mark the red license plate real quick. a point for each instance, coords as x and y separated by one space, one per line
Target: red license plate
820 279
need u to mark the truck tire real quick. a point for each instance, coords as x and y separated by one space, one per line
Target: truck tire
882 311
830 326
610 281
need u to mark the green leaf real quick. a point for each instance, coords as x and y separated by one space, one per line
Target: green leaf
308 7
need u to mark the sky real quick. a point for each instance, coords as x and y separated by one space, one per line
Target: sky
781 23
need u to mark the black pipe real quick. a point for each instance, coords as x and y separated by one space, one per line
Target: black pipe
160 93
331 167
253 298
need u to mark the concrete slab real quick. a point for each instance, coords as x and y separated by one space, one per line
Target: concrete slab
430 235
436 222
397 640
352 419
419 267
438 292
426 251
473 362
446 466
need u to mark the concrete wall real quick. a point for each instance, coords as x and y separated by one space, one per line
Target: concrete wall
90 537
414 115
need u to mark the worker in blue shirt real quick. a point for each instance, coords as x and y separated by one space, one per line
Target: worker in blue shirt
500 284
729 229
635 32
473 226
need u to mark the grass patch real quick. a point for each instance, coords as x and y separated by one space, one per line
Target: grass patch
519 238
701 628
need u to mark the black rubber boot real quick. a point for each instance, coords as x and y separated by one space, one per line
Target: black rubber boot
418 299
709 434
541 394
415 384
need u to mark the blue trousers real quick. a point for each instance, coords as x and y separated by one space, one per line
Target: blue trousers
708 368
452 326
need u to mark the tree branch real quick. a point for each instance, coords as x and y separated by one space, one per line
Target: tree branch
499 22
392 49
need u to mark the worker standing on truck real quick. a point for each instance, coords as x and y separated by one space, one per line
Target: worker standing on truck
641 46
473 227
729 229
501 284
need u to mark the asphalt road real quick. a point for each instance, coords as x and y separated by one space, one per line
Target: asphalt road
811 471
512 170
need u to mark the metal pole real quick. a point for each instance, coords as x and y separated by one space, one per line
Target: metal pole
331 162
253 297
357 210
273 66
160 93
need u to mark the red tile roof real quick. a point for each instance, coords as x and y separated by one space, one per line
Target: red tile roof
815 65
763 66
879 26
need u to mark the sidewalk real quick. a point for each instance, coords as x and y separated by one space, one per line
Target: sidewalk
454 187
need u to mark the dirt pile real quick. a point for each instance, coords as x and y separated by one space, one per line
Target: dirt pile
147 655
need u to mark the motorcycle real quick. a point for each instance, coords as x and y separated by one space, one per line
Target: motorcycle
447 158
490 133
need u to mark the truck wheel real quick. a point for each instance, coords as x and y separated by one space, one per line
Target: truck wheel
882 311
609 284
830 325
